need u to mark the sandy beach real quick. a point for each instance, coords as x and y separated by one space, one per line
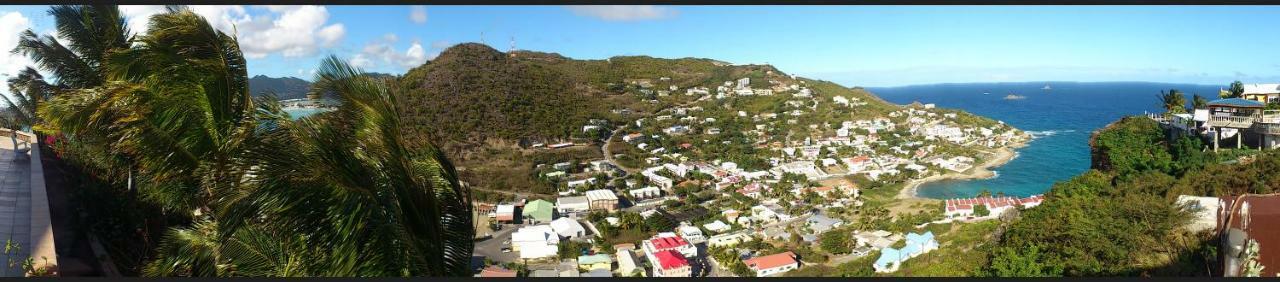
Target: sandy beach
1001 156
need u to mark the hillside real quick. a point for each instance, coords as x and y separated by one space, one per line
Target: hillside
284 87
478 103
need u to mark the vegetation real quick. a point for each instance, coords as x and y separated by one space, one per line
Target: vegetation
1119 218
337 194
1173 101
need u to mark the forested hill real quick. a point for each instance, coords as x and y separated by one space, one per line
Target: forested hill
283 87
471 93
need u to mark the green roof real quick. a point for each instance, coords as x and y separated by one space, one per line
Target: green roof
538 209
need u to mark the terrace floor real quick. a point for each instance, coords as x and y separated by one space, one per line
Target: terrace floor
15 209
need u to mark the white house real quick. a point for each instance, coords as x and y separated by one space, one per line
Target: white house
645 193
726 240
691 233
570 205
717 226
538 241
568 228
774 264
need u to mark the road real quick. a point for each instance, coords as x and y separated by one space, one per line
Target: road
604 149
492 248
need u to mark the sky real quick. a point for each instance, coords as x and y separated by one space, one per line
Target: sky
873 46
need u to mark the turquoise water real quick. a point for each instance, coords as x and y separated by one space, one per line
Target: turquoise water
297 113
1061 120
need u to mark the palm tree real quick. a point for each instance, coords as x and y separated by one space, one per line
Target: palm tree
1199 102
29 89
91 33
177 108
367 204
1173 101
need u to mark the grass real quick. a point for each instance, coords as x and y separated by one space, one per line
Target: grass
960 251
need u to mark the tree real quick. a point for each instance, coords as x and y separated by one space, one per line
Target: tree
337 194
29 89
1173 101
836 242
1199 102
1236 90
91 33
1010 262
981 210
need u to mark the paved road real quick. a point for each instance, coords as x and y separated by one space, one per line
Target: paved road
492 248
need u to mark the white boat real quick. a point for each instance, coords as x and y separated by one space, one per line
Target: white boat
1046 87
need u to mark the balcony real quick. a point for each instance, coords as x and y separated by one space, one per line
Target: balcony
1233 121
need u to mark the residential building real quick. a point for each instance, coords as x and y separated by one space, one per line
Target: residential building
596 261
670 263
665 241
572 205
1265 93
645 193
717 226
821 223
596 273
538 212
773 264
627 264
506 214
995 205
568 228
538 241
494 271
728 240
602 200
691 233
917 244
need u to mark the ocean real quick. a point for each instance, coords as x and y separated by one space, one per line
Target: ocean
297 113
1060 119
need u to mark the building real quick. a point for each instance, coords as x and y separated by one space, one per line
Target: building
670 263
494 271
572 205
667 241
538 212
645 193
917 244
1205 209
773 264
821 223
1231 118
602 200
717 226
627 264
958 208
596 261
568 228
596 273
538 241
506 214
728 240
691 233
1265 93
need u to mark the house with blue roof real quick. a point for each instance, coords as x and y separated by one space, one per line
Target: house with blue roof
917 244
1235 118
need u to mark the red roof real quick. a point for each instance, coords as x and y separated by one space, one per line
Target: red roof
669 242
494 271
771 261
671 260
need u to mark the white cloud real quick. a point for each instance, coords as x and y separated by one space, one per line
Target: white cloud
297 31
382 52
418 14
623 12
292 31
11 24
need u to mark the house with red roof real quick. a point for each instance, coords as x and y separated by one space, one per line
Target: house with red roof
670 263
773 264
494 271
959 208
669 241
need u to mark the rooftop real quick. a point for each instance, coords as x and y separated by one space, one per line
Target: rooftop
771 261
1237 103
668 242
671 259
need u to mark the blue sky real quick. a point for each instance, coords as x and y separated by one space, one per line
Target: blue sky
851 45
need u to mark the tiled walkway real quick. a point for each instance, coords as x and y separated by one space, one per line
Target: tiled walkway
15 209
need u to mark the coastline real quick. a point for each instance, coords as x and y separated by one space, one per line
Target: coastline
1001 156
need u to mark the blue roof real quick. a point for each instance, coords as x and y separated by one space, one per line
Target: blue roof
919 239
1237 102
888 256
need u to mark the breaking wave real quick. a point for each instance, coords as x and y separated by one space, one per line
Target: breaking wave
1047 133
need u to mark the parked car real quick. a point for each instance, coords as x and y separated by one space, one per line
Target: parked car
506 250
